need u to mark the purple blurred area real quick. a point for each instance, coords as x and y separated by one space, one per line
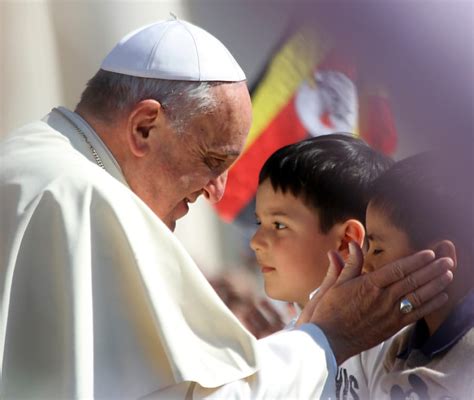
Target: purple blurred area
422 51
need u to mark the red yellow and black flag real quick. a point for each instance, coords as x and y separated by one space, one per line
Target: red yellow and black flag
308 89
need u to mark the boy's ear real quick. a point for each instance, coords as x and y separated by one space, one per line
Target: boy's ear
141 121
445 248
352 231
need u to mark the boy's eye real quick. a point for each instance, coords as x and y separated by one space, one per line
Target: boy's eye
257 222
279 225
377 251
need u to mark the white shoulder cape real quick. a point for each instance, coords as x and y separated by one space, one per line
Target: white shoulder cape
97 297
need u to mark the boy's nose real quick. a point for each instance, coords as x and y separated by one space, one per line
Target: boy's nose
256 242
367 267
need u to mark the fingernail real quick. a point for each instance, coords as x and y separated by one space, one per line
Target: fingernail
313 293
329 254
352 248
429 255
447 277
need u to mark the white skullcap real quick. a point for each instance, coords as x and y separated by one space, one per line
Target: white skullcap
173 49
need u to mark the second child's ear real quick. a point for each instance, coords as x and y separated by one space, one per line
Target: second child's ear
445 248
352 231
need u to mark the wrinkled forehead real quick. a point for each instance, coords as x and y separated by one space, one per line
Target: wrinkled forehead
225 128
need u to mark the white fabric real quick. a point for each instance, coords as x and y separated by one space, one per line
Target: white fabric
294 366
173 49
352 380
381 375
97 297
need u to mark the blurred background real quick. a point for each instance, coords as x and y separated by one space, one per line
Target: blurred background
407 68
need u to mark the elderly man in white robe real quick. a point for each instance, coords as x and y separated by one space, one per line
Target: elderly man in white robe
98 299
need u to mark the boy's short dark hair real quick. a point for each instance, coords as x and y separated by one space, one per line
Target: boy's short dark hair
429 197
331 173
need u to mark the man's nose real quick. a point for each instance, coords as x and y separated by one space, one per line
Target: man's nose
214 190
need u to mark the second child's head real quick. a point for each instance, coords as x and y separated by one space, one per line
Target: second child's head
424 201
311 198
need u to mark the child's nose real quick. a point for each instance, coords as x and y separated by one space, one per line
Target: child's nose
256 241
367 267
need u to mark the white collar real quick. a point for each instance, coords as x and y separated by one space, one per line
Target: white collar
81 126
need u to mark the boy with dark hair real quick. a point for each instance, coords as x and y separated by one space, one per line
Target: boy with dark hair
311 198
424 202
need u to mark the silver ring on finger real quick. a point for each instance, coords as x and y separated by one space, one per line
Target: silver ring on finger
406 306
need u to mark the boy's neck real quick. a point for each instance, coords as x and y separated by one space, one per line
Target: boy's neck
435 319
459 288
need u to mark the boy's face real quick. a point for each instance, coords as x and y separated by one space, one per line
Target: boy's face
387 243
290 247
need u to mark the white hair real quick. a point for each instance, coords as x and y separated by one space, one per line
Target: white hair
108 94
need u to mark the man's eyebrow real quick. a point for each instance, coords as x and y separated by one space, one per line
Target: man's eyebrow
223 154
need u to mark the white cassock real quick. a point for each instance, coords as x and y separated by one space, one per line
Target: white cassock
98 299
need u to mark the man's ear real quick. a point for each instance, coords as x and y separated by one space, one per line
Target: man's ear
352 230
141 121
445 248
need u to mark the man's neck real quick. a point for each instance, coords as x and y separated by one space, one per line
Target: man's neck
99 127
109 133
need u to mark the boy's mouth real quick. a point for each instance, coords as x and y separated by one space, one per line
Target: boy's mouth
265 269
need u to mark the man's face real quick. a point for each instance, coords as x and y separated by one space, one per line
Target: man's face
289 245
182 166
387 243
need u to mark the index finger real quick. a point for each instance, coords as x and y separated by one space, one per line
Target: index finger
399 269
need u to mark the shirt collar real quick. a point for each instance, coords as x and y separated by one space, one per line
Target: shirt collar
110 163
447 335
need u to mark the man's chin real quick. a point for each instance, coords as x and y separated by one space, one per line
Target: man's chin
179 212
170 223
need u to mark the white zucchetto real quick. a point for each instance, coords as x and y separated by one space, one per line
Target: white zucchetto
173 49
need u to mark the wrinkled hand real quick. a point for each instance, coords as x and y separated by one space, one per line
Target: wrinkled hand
356 312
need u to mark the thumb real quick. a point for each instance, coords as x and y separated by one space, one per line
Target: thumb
353 265
335 267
